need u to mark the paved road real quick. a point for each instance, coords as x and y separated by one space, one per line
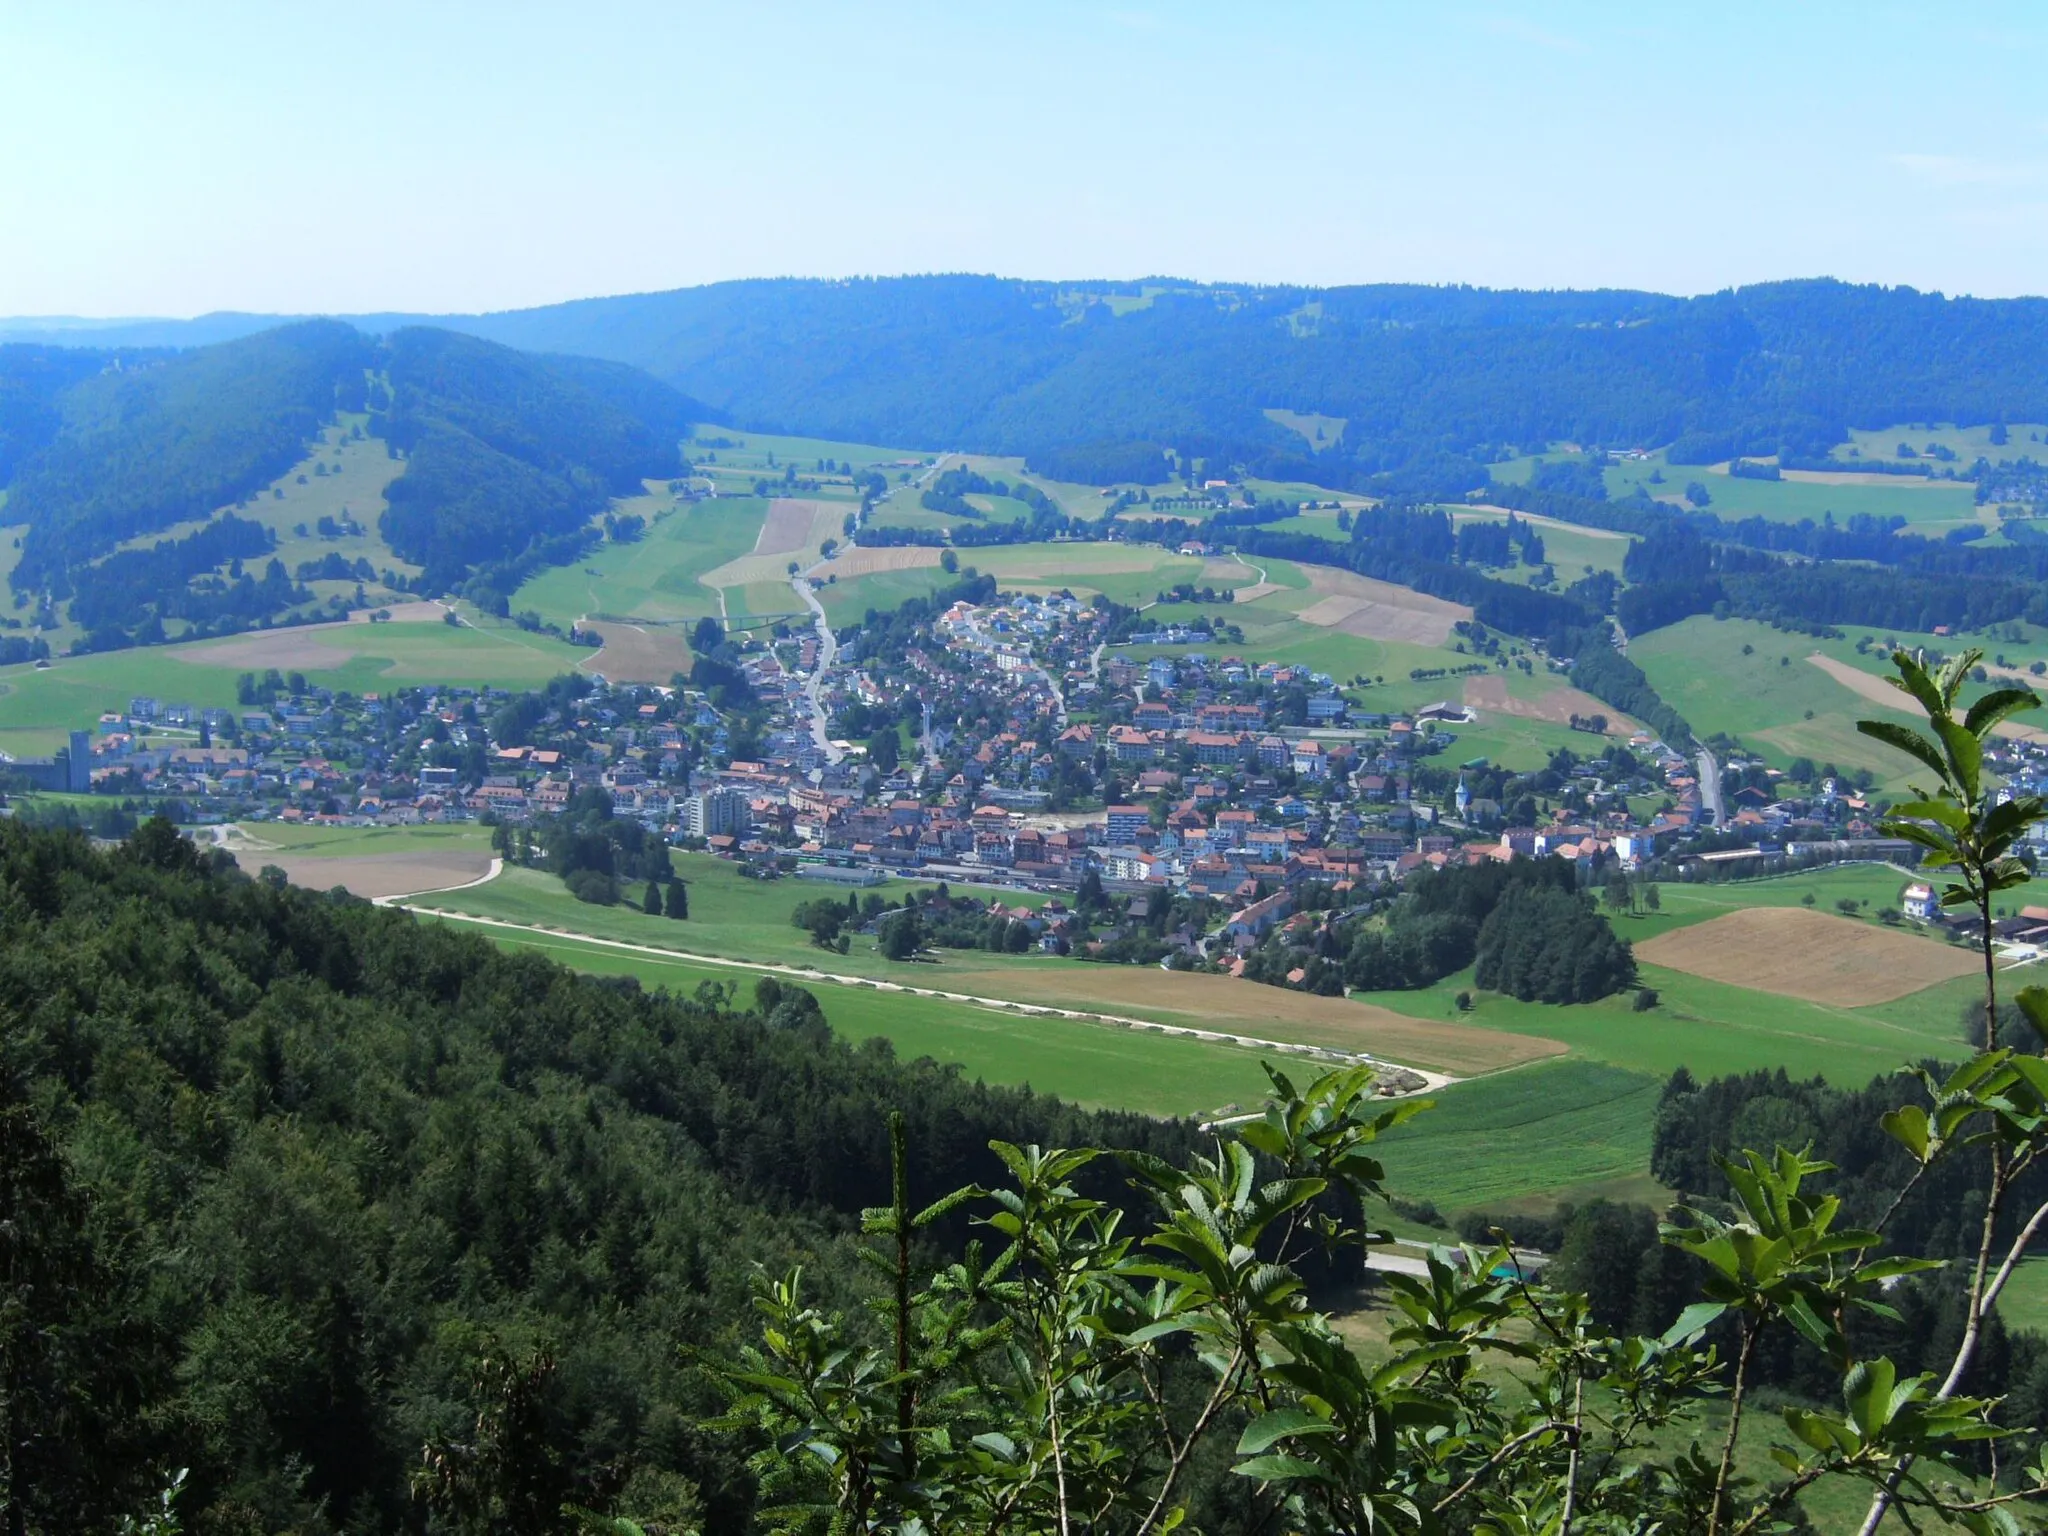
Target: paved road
1710 787
828 653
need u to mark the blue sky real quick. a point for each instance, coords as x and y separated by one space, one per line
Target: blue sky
435 156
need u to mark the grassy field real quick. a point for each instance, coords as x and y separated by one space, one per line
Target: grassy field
1929 507
1969 444
1779 703
38 707
1714 1029
748 920
258 837
659 577
1575 1124
1552 1128
1096 1065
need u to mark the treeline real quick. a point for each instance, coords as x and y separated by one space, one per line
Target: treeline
137 586
284 1171
1421 376
1414 547
506 451
1803 575
1530 930
172 439
508 456
1103 463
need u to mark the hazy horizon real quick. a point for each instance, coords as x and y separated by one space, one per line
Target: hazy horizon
465 159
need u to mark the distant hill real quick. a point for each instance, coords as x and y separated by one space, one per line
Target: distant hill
1422 378
505 451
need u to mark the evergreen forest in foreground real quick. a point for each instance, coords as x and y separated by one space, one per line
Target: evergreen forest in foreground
317 1218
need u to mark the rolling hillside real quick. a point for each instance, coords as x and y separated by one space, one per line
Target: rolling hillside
1393 374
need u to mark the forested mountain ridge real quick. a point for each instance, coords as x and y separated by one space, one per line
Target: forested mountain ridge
1013 366
281 1168
504 449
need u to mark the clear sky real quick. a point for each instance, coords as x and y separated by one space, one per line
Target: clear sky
167 160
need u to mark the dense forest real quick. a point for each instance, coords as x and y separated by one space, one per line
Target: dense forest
1092 379
508 457
281 1173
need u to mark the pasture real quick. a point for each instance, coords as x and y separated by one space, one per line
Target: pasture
1095 1065
1929 507
740 919
37 707
1760 685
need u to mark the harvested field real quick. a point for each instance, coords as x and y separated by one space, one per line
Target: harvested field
1069 560
377 874
1224 573
633 654
1255 591
1378 610
858 561
1537 520
1816 956
1879 692
793 529
427 612
1220 1003
1862 477
300 647
1557 706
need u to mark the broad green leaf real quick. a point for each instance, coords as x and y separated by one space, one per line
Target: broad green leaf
1270 1428
1693 1321
1277 1469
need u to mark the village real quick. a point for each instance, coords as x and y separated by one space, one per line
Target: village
1025 741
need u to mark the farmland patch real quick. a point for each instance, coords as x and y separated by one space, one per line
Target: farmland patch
1816 956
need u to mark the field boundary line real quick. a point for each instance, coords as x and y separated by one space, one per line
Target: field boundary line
1432 1081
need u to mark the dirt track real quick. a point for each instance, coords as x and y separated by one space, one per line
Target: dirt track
1378 610
1816 956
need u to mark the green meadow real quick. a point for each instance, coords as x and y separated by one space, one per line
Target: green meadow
1928 506
38 706
1093 1064
1749 681
658 576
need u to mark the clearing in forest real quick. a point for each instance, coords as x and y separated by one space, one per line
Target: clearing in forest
1816 956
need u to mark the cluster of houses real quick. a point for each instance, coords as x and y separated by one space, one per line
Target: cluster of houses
1042 754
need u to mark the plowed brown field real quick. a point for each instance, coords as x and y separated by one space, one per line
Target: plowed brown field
1816 956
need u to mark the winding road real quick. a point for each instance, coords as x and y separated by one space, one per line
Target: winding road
1432 1080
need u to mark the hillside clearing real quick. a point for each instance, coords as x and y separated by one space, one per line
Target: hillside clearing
634 653
1557 706
1881 693
1816 956
1378 610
